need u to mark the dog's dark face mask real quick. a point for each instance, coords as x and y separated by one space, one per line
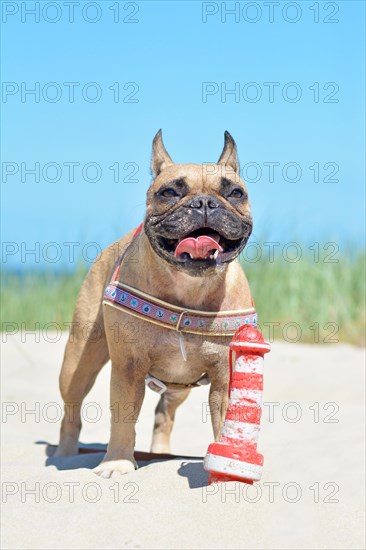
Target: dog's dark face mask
198 217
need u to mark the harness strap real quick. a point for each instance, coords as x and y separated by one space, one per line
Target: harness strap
183 320
203 381
118 266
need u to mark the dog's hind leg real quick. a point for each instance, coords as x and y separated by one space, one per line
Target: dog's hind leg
82 363
164 418
85 354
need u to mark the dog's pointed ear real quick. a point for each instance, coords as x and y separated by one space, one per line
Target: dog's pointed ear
229 155
160 158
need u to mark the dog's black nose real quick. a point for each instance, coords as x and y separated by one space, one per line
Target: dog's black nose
203 202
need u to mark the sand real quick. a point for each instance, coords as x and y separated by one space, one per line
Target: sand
311 494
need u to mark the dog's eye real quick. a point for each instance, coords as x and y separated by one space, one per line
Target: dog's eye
236 194
168 193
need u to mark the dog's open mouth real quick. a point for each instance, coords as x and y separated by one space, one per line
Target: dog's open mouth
201 245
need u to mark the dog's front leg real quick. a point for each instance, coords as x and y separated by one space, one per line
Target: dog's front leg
127 394
218 401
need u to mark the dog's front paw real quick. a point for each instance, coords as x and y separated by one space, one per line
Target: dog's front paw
115 468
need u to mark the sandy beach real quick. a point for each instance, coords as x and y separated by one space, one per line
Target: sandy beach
311 495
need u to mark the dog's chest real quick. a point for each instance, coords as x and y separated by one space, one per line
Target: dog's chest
202 354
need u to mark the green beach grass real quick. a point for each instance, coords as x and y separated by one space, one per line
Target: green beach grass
306 301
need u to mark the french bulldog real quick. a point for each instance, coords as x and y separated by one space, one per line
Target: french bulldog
188 206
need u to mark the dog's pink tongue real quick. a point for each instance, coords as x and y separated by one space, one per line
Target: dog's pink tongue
198 248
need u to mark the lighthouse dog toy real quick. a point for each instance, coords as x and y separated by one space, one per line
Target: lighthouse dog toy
234 456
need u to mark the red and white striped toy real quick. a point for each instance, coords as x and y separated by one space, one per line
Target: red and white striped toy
234 456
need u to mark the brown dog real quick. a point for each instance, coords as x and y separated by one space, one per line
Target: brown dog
184 201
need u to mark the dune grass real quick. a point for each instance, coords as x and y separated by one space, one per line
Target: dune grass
316 301
306 301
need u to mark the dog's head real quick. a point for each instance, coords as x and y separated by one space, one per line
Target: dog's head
198 216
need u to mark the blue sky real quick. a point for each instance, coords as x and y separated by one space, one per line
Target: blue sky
168 54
